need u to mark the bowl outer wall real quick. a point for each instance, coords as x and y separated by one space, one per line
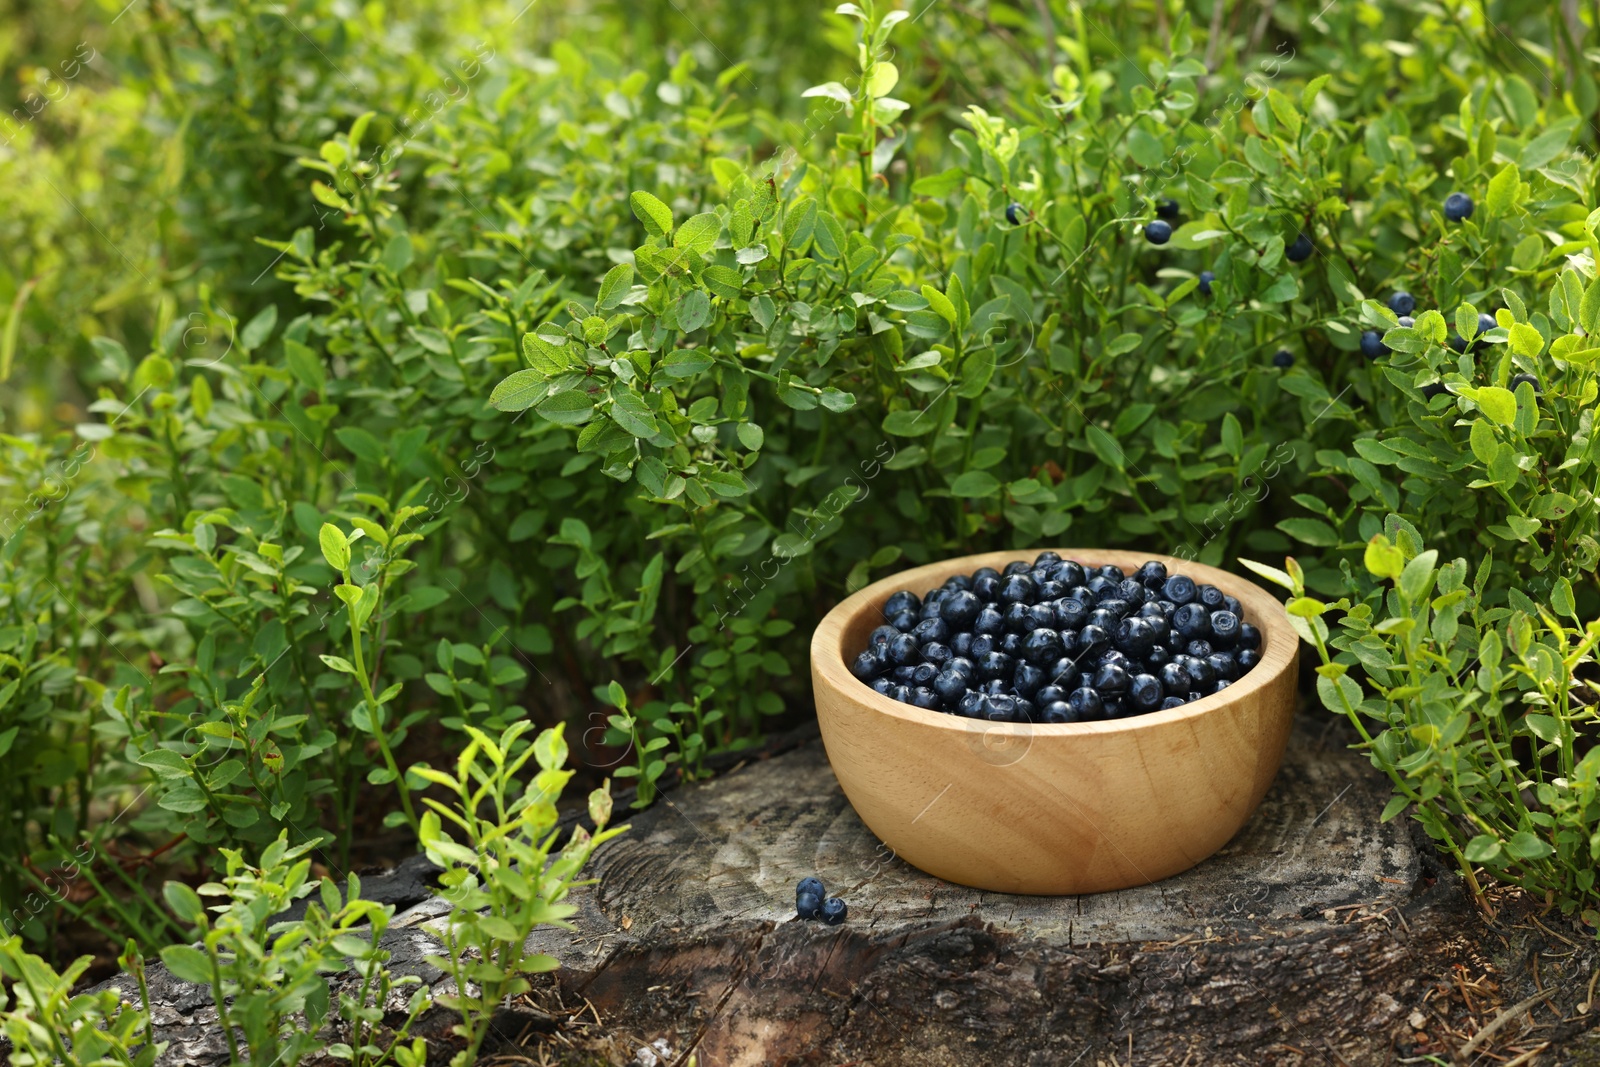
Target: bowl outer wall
1054 808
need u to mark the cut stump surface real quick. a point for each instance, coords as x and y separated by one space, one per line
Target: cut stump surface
1312 937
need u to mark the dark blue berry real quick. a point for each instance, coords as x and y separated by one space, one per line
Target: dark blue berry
1402 302
1192 621
1111 678
1406 321
1146 692
988 621
1372 345
1224 628
899 693
1220 685
1249 636
986 588
1458 206
1158 232
1058 711
1300 250
1068 572
901 601
994 665
866 666
1092 638
834 911
1000 707
1433 389
1199 649
931 630
882 684
1167 208
1112 571
1175 677
1136 636
982 645
937 654
1518 379
1049 694
961 644
959 609
1283 359
1027 680
1180 589
904 651
1206 278
1017 589
1157 657
1172 702
878 640
1210 596
1011 644
1199 670
925 698
1016 566
1246 658
1086 704
1224 665
1014 213
904 622
923 674
1458 343
970 704
1230 603
958 582
1042 647
808 905
1047 558
950 685
1016 618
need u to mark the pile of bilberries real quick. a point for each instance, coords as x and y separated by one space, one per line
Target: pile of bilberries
1055 641
812 902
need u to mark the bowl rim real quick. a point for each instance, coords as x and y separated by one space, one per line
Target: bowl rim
1280 644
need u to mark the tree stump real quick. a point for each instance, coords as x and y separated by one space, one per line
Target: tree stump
1315 936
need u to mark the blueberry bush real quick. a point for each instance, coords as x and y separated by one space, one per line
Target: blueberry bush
381 379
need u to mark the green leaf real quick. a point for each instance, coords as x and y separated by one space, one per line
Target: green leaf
1310 532
1308 95
614 286
975 484
1523 845
568 408
1482 849
304 364
1283 110
694 310
1525 340
629 411
1497 403
1502 196
909 423
187 963
940 303
1383 559
519 391
335 547
698 233
1105 447
656 216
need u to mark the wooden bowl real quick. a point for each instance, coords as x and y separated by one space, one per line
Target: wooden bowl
1054 808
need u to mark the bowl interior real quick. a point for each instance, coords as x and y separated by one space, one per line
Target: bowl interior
844 632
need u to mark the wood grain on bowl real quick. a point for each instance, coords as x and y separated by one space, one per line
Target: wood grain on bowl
1054 808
